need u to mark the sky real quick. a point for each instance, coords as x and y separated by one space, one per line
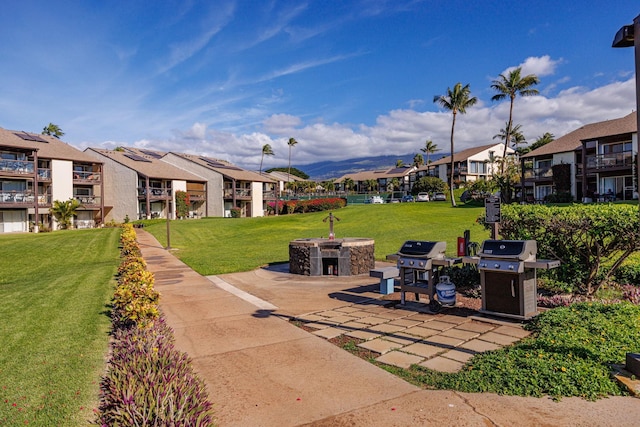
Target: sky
346 79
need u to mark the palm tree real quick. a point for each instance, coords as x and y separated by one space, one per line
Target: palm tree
291 143
399 163
348 184
372 184
542 140
64 211
429 148
418 160
52 130
456 101
511 86
266 151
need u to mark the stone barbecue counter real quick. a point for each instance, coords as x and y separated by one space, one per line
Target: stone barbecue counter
350 256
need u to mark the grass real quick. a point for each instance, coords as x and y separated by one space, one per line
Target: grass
227 245
54 288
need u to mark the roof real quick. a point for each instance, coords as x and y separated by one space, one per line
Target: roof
573 140
224 168
377 174
48 147
147 165
282 176
464 154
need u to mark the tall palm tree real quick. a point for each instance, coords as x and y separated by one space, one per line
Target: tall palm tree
456 101
542 140
429 148
511 86
418 160
52 130
266 151
291 143
399 163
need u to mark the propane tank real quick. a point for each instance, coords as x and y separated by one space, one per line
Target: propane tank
446 292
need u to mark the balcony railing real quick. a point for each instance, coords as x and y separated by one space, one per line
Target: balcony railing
84 223
163 193
88 200
269 194
85 176
17 197
240 192
604 161
44 174
196 194
18 167
539 173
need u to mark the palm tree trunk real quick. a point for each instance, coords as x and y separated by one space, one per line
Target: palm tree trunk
453 125
507 137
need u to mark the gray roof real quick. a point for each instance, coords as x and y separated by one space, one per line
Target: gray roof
146 165
47 146
573 140
225 168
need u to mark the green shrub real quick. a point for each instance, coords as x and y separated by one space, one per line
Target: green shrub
236 212
585 238
629 274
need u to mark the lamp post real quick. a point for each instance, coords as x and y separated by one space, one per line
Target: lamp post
629 36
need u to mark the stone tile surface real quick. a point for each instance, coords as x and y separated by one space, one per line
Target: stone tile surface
500 339
329 333
442 364
444 341
422 349
460 333
399 359
459 354
512 331
477 326
362 334
479 346
421 332
379 345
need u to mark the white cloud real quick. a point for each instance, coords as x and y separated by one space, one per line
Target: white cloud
539 65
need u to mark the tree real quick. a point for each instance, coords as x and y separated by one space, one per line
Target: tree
266 151
294 172
429 148
456 100
52 130
429 184
516 135
418 160
542 140
348 184
394 184
64 211
399 163
292 142
510 86
371 184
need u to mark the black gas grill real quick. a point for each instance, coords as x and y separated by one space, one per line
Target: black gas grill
508 277
417 261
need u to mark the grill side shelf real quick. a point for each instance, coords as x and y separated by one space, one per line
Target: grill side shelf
544 264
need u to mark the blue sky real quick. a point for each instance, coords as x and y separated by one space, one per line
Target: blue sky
345 78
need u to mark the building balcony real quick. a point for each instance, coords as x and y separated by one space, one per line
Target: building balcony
88 201
539 174
154 193
44 174
17 198
196 195
86 177
240 193
610 161
84 223
16 167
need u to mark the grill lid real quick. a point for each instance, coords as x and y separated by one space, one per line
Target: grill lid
523 250
423 249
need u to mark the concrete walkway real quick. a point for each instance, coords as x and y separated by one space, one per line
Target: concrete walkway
261 370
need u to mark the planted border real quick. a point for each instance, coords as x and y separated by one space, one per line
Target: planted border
148 381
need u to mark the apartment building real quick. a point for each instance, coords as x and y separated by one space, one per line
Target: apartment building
598 160
140 185
36 170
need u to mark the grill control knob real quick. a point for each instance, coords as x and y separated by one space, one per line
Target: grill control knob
496 266
401 262
410 262
511 267
421 264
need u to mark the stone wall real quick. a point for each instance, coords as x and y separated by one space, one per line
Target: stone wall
362 259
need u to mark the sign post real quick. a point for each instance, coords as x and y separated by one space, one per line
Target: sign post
492 214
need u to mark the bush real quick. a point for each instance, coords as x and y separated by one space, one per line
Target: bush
236 212
149 382
585 238
629 274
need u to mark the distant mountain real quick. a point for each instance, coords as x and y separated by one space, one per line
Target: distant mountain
329 170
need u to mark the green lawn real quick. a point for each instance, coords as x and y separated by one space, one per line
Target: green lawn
54 328
226 245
